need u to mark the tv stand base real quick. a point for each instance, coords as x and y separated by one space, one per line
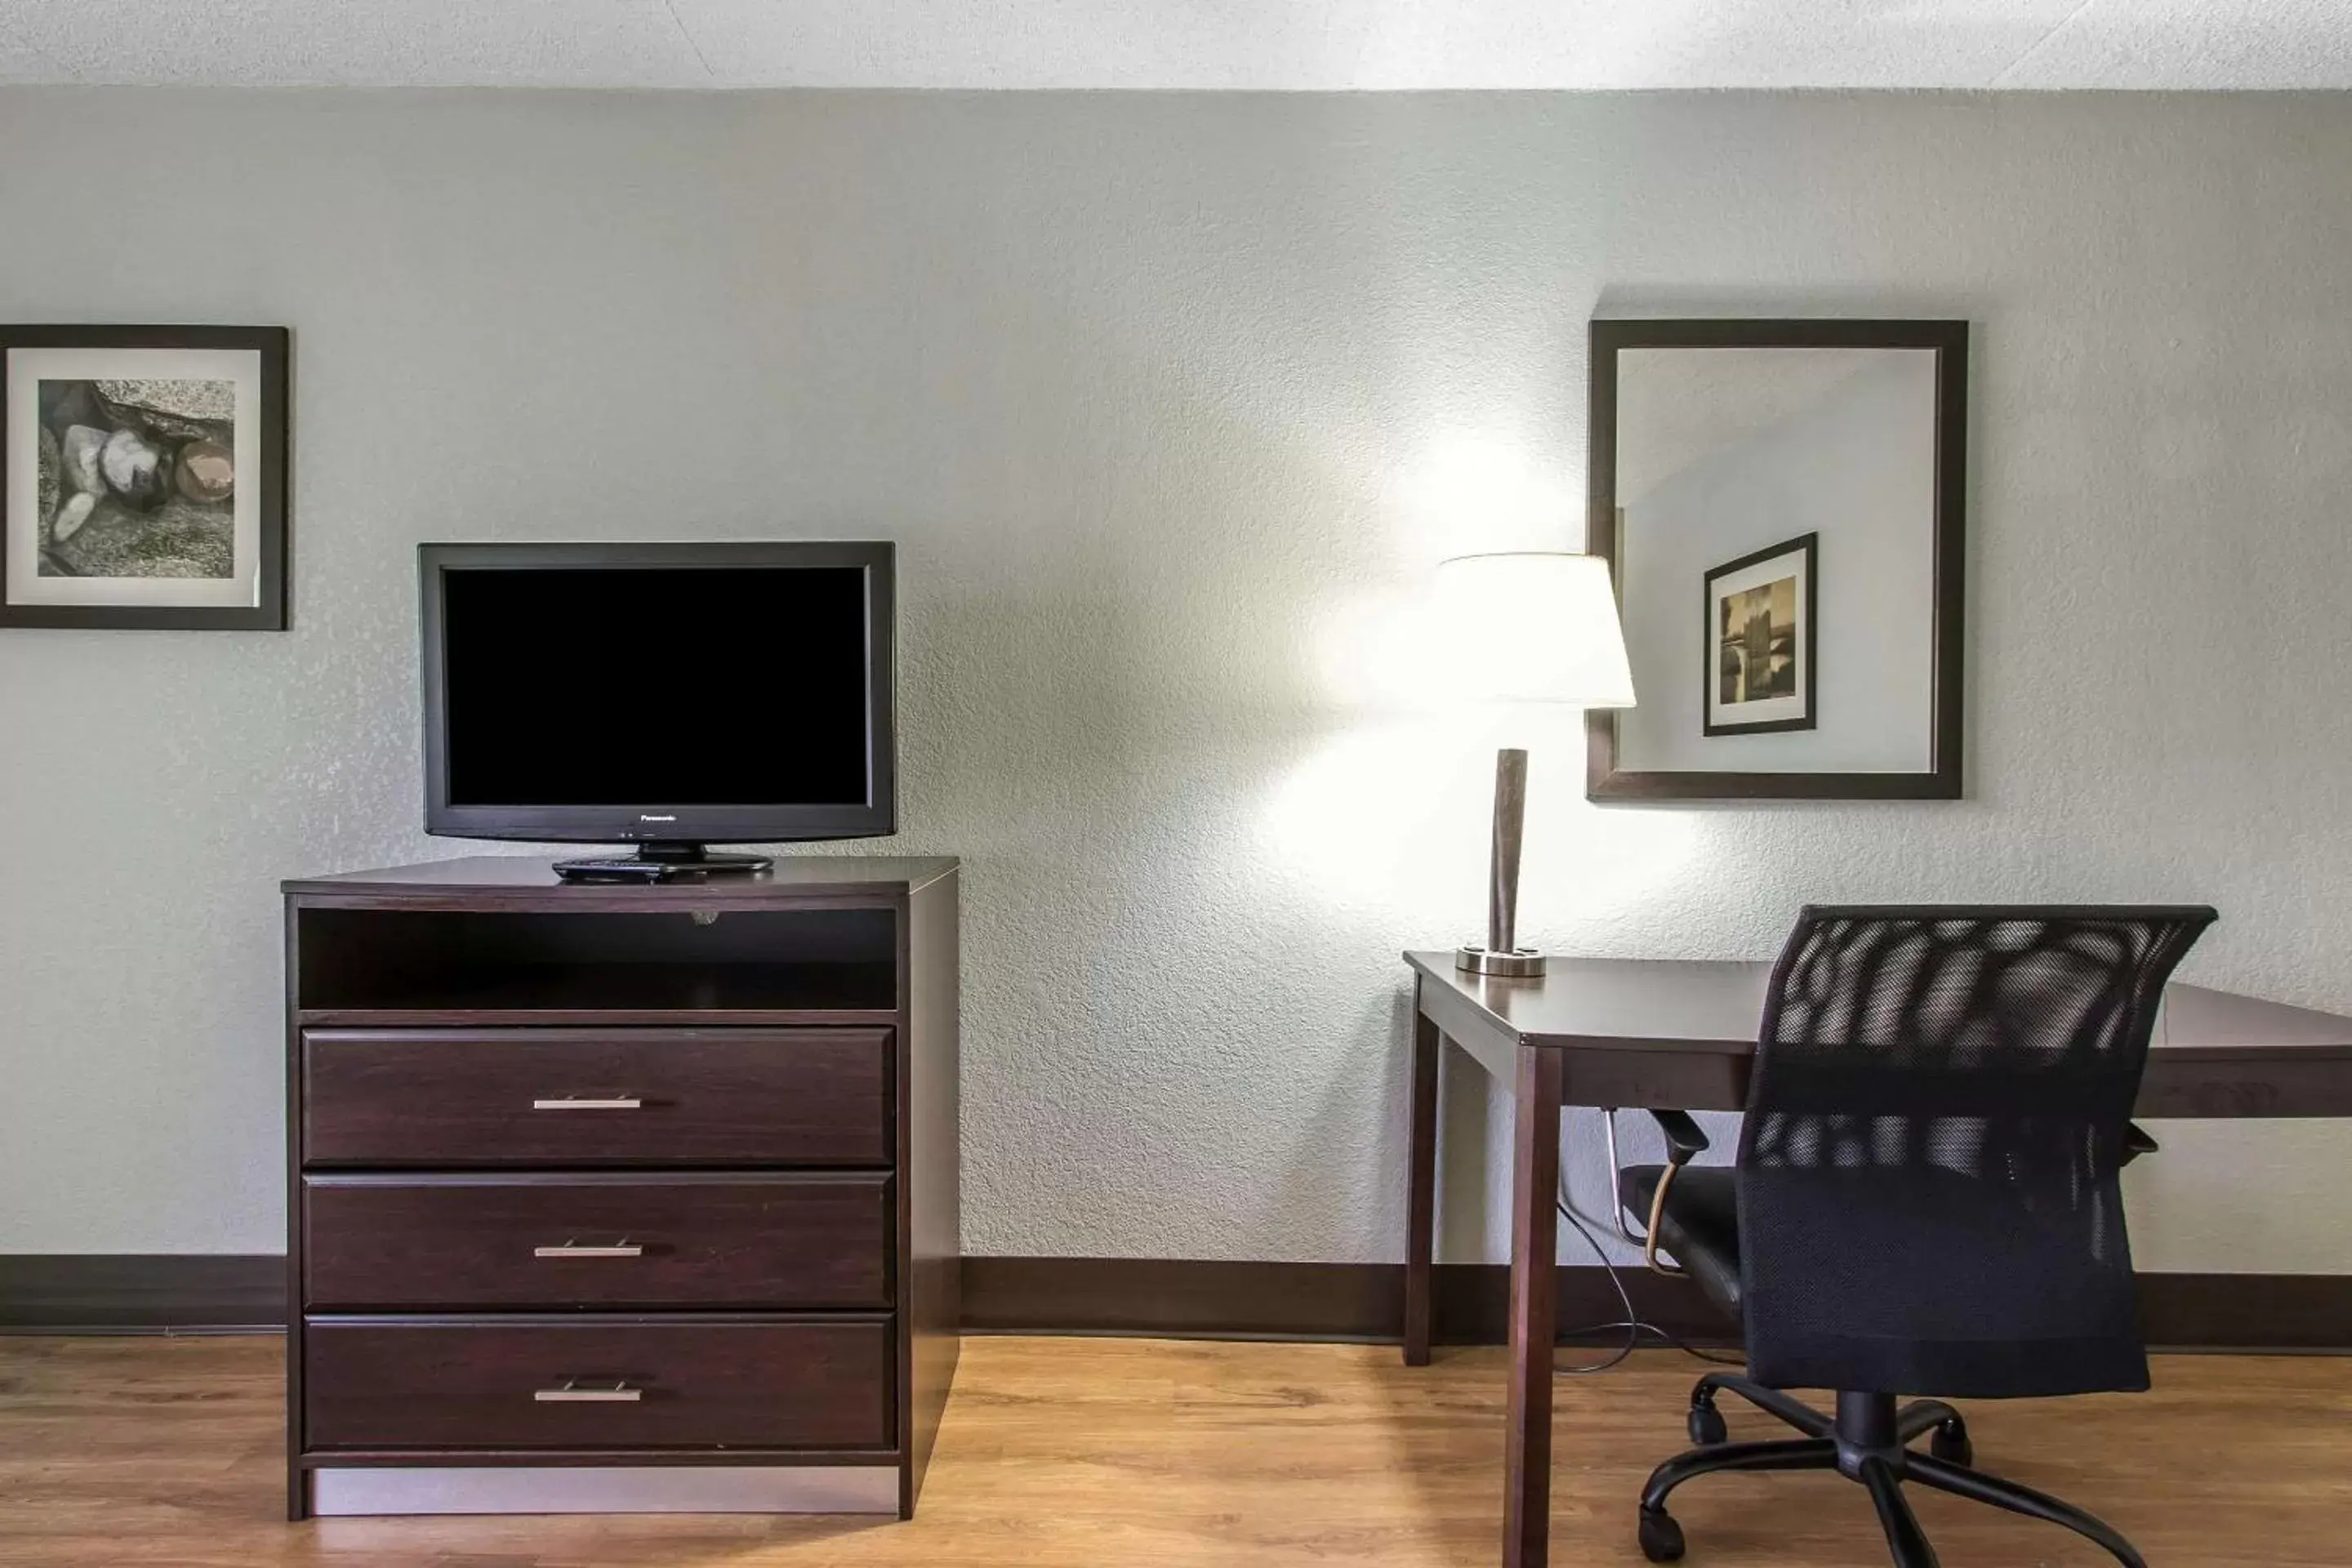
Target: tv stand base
662 860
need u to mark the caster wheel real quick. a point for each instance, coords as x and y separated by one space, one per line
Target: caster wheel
1706 1427
1951 1445
1662 1538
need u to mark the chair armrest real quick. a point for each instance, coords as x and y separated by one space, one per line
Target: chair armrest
1684 1139
2136 1143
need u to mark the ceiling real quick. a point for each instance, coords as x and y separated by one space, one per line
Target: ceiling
1194 44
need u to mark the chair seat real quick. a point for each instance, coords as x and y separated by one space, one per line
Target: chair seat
2013 1331
1700 1226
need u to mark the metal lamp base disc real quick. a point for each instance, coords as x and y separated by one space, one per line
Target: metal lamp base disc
1518 963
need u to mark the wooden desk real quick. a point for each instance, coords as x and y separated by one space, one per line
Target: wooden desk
1642 1032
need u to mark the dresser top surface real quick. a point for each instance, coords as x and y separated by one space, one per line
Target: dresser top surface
793 876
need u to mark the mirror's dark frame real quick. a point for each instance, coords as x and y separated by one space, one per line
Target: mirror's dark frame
1604 780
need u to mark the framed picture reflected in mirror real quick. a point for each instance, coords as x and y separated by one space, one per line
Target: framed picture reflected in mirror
1759 663
1780 503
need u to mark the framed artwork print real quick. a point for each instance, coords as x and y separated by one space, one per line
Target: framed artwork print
1801 485
1758 620
143 477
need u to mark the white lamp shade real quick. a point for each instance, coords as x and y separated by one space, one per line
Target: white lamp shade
1534 627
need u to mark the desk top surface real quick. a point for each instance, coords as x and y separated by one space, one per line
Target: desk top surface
1715 1006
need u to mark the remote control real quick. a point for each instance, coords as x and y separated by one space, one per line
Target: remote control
613 870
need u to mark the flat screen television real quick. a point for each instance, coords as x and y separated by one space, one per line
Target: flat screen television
664 696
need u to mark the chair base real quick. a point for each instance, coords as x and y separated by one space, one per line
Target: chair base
1868 1442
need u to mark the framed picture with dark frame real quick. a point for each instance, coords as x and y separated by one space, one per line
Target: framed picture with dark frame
1803 482
1760 652
143 478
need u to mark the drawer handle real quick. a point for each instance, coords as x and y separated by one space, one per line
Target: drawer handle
581 1249
574 1102
573 1394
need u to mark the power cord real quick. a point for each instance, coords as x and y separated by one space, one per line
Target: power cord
1632 1323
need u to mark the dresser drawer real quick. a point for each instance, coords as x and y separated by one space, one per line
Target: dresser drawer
596 1096
542 1383
611 1240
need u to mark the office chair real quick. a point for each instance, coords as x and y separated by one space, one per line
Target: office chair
1926 1199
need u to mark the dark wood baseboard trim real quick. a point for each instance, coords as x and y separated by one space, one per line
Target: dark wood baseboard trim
140 1292
1176 1298
2247 1311
1182 1298
1156 1295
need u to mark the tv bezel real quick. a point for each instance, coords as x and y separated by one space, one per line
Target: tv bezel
659 822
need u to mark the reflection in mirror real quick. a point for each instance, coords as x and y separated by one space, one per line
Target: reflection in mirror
1775 552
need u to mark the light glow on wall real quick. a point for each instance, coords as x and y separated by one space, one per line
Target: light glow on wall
1470 491
1387 814
1390 819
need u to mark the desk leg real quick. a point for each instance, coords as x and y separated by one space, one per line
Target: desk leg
1535 1291
1421 1195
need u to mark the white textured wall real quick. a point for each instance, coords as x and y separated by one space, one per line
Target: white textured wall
1170 403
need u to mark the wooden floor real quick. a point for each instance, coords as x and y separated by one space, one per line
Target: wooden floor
1125 1452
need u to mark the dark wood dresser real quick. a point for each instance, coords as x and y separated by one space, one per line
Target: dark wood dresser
620 1198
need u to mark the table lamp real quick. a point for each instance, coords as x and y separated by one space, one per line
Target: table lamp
1527 627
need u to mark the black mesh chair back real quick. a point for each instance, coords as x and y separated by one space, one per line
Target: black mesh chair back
1927 1174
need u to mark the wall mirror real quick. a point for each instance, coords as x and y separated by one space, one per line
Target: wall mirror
1779 504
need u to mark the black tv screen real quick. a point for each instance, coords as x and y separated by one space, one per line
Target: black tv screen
690 693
